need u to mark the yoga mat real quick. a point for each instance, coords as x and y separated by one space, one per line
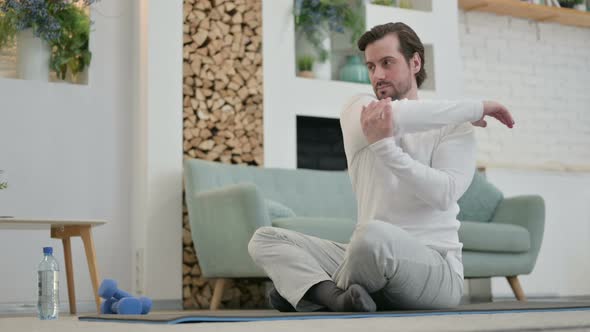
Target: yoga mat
271 315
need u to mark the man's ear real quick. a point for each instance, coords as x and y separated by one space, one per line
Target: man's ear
415 63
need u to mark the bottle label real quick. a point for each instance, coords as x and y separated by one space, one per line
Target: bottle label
48 284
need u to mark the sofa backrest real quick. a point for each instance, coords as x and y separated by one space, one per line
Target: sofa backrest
310 193
314 193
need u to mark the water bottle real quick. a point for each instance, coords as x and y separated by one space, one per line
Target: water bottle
48 304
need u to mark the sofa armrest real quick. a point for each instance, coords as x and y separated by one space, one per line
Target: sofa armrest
527 211
222 222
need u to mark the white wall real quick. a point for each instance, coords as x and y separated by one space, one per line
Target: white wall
563 265
157 175
110 150
66 150
542 73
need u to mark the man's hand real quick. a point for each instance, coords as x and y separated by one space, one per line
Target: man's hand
496 110
377 120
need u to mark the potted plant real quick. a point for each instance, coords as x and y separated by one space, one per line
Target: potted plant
316 19
70 53
50 34
305 66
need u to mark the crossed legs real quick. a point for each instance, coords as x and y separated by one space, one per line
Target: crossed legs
381 260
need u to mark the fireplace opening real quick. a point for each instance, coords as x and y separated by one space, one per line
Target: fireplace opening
319 144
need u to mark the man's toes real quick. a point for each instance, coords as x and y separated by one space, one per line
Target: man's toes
361 300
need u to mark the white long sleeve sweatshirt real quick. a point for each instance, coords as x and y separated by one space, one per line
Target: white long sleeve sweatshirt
414 179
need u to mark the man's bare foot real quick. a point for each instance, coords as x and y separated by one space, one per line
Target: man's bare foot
355 298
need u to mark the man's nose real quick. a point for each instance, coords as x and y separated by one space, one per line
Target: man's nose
378 73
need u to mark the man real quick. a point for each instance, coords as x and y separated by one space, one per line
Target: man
409 162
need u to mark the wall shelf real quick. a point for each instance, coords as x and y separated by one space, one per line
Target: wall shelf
539 13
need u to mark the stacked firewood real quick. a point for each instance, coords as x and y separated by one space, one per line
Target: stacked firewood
223 80
222 117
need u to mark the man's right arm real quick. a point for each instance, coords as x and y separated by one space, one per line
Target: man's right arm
409 116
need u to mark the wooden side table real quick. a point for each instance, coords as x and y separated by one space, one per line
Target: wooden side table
64 230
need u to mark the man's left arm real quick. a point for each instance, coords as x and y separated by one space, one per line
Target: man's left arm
453 165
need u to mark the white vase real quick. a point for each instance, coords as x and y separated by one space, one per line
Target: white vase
304 47
324 70
32 57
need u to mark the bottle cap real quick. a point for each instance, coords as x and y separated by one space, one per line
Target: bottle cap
48 250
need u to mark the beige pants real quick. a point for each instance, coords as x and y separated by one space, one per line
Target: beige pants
398 271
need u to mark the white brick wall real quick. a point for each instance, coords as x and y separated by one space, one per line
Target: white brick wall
541 72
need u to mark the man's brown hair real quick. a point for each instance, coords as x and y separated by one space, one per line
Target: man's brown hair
408 39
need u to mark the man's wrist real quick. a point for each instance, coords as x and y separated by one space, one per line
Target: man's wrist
479 109
381 142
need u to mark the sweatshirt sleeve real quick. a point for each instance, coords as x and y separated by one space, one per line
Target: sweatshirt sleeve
409 116
453 166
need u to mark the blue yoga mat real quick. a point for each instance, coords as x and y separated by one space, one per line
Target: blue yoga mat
206 316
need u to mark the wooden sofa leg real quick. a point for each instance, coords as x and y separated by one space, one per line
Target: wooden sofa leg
516 289
218 293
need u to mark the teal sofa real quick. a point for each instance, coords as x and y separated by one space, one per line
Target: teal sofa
227 203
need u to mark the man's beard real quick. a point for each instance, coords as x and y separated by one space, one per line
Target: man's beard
396 91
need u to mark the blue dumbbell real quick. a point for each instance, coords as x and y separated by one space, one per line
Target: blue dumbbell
146 304
124 306
108 289
106 306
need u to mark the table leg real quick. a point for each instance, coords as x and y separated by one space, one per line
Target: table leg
69 274
217 293
86 235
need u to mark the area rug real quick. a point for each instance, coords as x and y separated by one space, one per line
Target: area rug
269 315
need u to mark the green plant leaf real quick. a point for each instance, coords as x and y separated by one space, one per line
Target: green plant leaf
70 52
314 18
305 62
7 30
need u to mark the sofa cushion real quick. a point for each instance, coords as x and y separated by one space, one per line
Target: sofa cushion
493 237
278 210
480 200
334 229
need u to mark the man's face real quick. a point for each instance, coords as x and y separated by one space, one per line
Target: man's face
390 74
